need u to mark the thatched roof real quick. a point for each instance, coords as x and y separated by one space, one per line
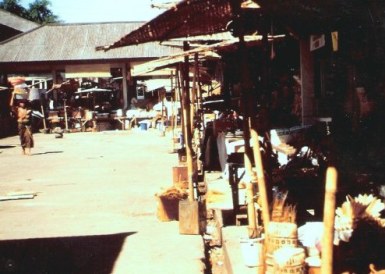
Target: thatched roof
199 17
187 18
76 42
15 22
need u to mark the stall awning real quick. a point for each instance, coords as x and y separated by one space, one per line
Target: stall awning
154 84
204 52
187 18
87 71
201 17
162 63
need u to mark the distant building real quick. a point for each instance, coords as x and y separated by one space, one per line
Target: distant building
60 52
12 25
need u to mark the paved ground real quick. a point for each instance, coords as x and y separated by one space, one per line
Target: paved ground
95 210
221 198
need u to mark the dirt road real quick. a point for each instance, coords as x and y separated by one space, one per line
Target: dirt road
94 209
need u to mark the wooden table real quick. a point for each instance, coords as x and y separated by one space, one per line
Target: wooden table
122 120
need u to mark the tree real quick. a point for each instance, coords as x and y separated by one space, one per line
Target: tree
14 6
38 11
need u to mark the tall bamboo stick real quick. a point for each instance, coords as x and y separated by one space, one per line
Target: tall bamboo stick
328 219
193 95
187 124
65 114
180 95
173 100
261 178
43 112
262 191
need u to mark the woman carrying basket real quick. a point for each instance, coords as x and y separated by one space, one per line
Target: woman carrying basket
24 120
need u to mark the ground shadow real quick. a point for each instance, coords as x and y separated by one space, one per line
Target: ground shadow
69 255
5 147
48 152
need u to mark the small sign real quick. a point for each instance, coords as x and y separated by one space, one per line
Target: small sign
335 40
317 41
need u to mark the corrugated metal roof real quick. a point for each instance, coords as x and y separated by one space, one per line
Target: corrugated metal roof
76 42
15 22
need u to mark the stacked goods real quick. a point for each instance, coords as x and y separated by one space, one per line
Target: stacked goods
19 88
281 235
168 203
282 212
282 252
17 80
18 83
289 260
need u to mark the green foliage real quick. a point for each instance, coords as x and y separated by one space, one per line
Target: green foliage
14 7
38 11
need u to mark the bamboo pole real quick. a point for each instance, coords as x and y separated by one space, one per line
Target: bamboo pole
248 111
193 96
252 220
173 99
200 100
12 98
43 112
261 179
187 124
179 83
65 115
328 220
249 174
262 192
162 126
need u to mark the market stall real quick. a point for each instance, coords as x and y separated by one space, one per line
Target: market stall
311 162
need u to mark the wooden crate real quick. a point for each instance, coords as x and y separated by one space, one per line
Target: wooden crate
168 209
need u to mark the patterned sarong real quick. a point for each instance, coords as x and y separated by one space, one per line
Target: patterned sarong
26 137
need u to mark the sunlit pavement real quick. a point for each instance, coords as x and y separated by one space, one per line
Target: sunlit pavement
94 209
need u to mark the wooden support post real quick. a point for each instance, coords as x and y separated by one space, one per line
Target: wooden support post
328 220
65 115
180 95
187 124
262 190
12 98
173 100
188 209
192 98
261 178
252 220
125 86
44 121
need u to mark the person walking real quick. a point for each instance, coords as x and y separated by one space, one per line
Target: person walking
24 120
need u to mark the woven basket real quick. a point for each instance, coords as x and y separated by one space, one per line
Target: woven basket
17 80
274 243
281 235
272 268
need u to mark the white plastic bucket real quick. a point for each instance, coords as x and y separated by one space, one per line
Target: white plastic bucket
252 251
